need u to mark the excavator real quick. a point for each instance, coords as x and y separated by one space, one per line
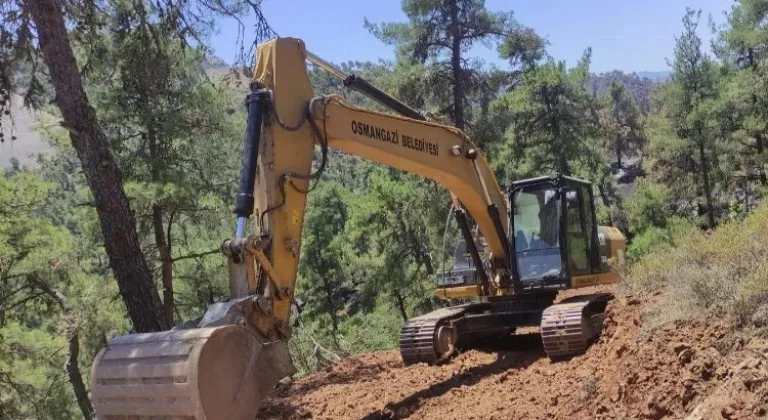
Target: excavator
521 246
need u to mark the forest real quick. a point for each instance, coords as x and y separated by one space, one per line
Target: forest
118 230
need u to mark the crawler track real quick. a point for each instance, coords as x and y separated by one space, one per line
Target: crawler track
421 340
568 328
417 341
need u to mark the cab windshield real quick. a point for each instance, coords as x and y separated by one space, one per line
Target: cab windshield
537 233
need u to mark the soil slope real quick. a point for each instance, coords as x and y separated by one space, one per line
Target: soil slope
693 372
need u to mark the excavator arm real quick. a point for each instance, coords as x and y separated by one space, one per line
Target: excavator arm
437 152
221 366
295 121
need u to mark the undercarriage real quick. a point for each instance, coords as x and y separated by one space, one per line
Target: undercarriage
567 327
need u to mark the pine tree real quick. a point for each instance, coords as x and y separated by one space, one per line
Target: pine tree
743 48
622 123
325 280
43 34
38 264
694 77
553 121
175 140
440 34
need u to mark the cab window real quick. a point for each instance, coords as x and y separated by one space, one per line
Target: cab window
576 234
536 233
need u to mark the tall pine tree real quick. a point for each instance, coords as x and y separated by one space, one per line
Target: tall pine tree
440 34
553 123
622 123
685 143
743 48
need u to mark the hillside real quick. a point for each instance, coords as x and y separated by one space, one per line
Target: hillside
28 142
676 345
639 85
696 372
659 76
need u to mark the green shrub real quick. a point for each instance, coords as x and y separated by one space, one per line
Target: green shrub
313 347
377 330
655 238
723 273
648 206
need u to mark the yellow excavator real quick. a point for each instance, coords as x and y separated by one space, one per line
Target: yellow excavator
536 238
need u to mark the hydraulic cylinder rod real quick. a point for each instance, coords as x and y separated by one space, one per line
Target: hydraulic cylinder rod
245 201
361 85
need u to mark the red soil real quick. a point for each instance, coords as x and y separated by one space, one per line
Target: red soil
692 371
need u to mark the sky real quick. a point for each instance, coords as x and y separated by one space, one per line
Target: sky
628 35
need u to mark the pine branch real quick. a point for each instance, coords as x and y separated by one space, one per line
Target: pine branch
197 255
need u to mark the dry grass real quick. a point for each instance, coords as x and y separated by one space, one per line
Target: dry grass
723 274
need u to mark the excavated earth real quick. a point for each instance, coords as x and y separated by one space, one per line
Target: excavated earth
691 371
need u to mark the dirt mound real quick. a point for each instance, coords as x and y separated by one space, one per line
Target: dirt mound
692 372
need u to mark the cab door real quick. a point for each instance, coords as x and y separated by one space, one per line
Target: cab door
576 236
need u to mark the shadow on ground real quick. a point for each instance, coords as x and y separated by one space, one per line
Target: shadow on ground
512 352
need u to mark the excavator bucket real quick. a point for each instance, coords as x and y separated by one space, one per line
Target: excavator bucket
203 374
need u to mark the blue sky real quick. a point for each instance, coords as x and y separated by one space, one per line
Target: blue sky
628 35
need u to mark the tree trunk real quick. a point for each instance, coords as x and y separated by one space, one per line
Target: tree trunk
759 138
618 152
164 251
400 301
163 244
426 259
76 378
705 179
73 338
760 145
458 93
745 187
121 241
331 311
417 246
603 193
562 160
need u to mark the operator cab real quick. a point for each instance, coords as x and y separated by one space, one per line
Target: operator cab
553 231
553 236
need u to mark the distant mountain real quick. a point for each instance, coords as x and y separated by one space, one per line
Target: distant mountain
640 87
659 76
212 61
